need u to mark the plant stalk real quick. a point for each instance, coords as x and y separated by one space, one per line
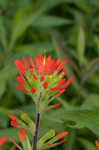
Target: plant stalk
37 124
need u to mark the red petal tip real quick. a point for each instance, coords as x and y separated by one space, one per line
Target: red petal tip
61 135
32 90
12 117
45 85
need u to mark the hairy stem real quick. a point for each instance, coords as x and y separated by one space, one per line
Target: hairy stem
37 125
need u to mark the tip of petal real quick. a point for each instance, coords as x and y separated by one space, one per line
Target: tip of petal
45 85
42 78
68 82
62 134
57 105
32 90
12 117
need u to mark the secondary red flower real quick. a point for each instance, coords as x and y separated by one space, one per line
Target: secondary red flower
97 144
22 134
2 141
14 120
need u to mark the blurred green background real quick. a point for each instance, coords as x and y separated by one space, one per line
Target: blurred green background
68 29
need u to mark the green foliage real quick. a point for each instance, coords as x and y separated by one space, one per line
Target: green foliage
68 29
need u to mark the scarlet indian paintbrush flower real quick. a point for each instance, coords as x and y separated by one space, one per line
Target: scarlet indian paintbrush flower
14 120
22 134
42 75
2 141
97 145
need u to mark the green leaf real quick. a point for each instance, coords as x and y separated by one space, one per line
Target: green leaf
35 49
23 20
78 118
26 144
3 3
51 21
91 101
2 88
93 66
22 23
7 72
9 133
49 4
84 5
46 137
25 117
81 44
4 116
71 140
3 36
96 40
87 144
63 54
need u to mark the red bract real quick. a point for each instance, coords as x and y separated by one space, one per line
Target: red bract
43 67
14 120
45 85
62 134
43 75
2 141
53 106
97 144
55 141
56 144
22 134
14 142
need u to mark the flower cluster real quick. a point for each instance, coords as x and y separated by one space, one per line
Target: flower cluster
42 75
47 141
97 145
22 137
42 79
2 141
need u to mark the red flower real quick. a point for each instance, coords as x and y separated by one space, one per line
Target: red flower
2 141
22 134
43 75
14 120
46 70
97 144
